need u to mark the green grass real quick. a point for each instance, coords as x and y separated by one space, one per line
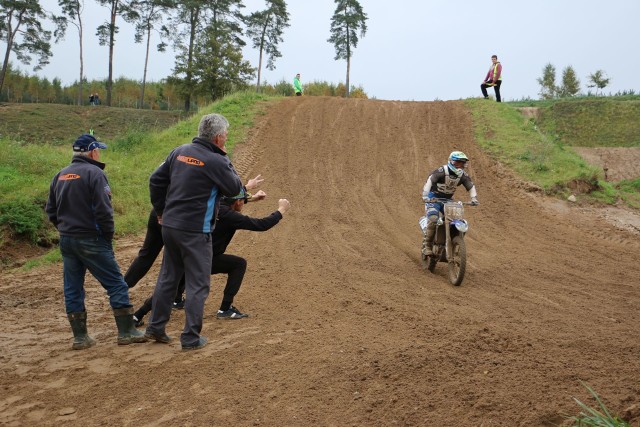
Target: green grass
26 169
590 121
50 257
545 158
59 124
516 142
598 416
136 155
599 122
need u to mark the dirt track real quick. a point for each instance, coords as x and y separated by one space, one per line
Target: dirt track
346 328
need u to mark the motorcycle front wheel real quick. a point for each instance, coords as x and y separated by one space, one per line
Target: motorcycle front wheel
432 263
458 261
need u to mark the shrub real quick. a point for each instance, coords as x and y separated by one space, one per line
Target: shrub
23 216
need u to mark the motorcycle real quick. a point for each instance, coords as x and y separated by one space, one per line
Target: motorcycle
448 242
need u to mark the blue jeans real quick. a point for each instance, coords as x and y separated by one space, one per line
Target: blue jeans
96 255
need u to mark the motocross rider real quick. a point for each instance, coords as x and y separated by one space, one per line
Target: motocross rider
442 184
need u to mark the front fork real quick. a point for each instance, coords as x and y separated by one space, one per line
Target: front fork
449 240
448 245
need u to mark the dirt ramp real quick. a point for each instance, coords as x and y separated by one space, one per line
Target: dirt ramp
345 327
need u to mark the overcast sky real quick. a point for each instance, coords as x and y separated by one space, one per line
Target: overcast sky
418 50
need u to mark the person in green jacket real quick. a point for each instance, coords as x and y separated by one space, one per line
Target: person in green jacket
297 86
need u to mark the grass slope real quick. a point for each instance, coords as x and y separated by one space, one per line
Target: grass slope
590 121
516 142
58 124
541 154
26 172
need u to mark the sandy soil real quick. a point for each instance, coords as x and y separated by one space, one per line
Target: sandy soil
618 163
346 328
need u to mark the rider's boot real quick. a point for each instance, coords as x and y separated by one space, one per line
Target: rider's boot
428 238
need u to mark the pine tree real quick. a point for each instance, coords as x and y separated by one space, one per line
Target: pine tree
72 10
193 20
348 19
22 32
265 29
149 18
107 32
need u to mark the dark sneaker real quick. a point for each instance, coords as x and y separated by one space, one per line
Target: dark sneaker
138 322
162 338
201 343
178 305
231 314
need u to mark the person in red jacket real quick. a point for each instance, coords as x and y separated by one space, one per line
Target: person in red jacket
493 78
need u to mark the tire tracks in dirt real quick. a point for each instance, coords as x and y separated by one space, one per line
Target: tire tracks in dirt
346 328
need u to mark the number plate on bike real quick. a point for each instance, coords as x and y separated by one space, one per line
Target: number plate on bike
454 211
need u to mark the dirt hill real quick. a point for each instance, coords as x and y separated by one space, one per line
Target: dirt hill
346 328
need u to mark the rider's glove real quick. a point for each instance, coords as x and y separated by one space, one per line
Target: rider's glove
474 201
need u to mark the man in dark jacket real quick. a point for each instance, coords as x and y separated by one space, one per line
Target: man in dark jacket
148 253
79 206
230 219
185 191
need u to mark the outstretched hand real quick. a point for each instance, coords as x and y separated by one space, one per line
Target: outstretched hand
254 182
283 205
259 195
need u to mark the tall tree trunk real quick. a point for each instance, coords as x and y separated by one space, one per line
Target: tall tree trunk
259 69
348 70
264 31
348 58
11 33
5 64
146 61
80 98
194 19
112 36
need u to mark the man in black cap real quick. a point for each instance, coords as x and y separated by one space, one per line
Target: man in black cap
79 206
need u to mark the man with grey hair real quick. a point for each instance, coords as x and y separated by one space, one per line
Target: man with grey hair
79 206
185 192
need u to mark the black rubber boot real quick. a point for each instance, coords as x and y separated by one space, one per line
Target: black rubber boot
127 333
81 338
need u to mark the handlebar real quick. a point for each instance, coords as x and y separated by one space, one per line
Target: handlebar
441 200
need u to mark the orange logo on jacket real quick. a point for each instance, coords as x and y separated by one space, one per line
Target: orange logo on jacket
68 176
190 160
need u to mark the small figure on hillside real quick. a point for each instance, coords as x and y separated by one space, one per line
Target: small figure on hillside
297 86
442 184
493 78
96 99
79 206
92 99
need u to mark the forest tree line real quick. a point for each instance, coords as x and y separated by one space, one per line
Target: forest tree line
207 35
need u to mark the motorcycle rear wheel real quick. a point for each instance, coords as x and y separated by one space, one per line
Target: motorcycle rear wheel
458 261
